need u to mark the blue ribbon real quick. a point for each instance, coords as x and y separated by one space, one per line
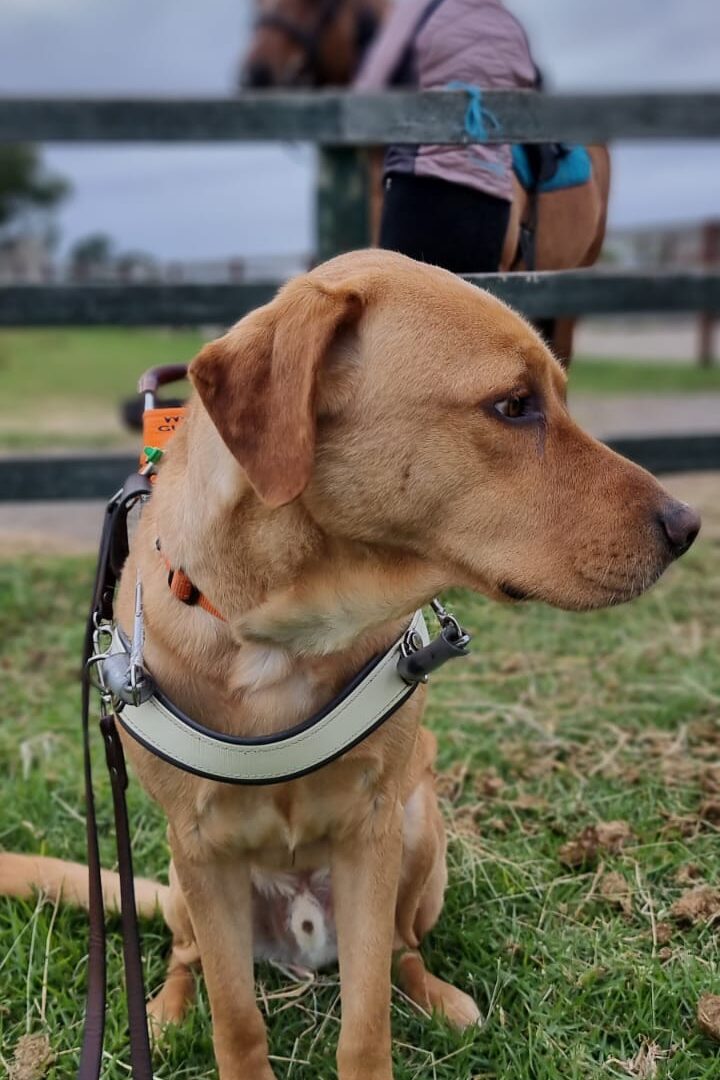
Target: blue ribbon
477 116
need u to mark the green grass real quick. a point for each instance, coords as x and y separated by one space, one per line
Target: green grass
557 722
61 388
594 375
88 365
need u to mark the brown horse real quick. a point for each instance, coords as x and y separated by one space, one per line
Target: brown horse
321 43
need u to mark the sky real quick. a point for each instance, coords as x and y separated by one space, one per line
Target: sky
197 202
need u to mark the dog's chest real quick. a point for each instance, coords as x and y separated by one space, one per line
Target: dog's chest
289 826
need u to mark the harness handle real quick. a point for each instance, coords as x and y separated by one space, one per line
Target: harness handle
155 377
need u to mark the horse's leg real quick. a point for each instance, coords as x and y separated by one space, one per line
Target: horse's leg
557 335
571 231
561 339
600 158
518 206
374 160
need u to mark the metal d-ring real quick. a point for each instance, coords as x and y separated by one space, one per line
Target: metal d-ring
411 642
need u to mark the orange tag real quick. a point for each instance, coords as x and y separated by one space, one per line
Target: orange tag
159 426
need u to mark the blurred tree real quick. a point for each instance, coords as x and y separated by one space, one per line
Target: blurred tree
137 266
26 189
90 254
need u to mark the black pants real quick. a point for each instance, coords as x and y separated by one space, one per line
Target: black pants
449 225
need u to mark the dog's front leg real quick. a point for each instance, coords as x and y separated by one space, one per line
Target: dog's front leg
365 875
218 896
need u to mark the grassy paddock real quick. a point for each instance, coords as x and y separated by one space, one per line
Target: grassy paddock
558 722
64 387
61 387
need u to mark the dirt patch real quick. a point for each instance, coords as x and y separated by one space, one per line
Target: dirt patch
615 889
698 905
652 337
33 1057
644 1064
607 836
708 1015
610 416
67 527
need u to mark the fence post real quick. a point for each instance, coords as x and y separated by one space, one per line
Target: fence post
710 256
342 201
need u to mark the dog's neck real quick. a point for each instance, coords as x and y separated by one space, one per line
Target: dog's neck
297 603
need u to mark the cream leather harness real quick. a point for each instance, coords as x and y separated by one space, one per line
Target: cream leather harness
362 706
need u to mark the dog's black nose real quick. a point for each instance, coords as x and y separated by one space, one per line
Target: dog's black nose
257 75
681 525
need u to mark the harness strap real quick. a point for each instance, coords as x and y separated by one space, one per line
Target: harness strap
365 703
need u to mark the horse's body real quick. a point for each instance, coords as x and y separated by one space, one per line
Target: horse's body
320 42
569 233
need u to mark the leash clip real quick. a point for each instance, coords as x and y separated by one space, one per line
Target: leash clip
448 622
126 677
417 661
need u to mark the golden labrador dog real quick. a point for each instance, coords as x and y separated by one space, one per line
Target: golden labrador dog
378 433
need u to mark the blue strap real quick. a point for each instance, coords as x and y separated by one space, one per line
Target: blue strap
477 116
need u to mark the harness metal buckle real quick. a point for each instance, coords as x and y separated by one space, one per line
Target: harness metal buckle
411 643
94 664
126 676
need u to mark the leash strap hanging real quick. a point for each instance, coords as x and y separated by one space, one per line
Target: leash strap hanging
113 550
94 1029
140 1055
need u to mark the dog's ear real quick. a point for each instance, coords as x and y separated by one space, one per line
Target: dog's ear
259 383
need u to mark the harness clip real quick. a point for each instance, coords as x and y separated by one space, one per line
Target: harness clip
417 661
118 678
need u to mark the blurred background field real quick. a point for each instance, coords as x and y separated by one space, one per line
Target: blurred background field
62 388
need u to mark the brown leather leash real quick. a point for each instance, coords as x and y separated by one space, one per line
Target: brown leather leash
112 554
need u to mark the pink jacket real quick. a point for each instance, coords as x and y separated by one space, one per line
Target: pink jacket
426 44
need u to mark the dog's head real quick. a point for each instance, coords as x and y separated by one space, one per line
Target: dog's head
409 410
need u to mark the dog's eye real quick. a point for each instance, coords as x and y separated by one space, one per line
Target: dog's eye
514 407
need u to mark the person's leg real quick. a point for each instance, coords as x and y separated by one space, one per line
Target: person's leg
446 224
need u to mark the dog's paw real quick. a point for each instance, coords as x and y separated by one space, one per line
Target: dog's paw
433 995
457 1007
171 1003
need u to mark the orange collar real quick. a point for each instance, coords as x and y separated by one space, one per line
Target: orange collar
183 589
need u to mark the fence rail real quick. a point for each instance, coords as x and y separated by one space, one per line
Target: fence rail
340 123
344 119
572 292
30 478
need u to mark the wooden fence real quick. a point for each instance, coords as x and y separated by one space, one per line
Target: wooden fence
340 123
